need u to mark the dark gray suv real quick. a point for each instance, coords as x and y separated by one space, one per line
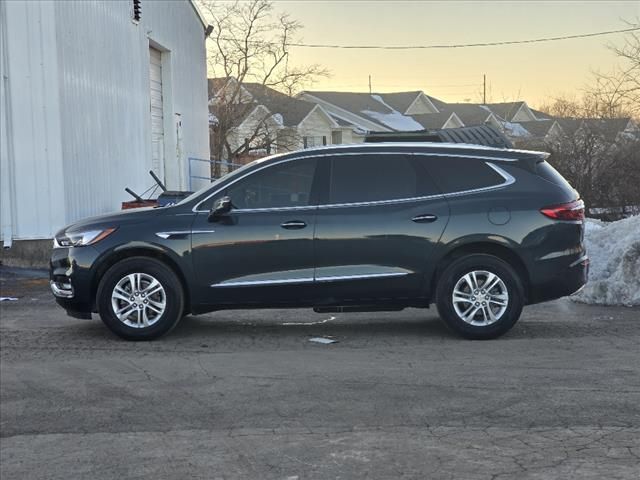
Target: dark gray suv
478 231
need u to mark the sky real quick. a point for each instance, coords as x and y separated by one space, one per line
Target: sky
534 73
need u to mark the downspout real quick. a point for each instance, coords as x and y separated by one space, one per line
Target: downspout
7 181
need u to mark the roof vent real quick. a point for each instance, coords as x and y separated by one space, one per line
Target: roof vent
136 11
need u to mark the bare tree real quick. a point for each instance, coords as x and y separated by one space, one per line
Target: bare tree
563 107
250 44
613 94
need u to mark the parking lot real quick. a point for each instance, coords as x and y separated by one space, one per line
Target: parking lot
245 394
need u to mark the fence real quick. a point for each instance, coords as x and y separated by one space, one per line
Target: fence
219 166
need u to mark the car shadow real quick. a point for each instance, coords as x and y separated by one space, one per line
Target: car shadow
280 327
220 324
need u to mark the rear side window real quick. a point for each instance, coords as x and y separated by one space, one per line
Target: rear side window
370 178
550 174
453 174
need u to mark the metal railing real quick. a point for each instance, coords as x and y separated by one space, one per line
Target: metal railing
220 166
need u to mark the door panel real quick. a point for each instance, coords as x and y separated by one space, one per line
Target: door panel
374 252
262 250
374 238
249 258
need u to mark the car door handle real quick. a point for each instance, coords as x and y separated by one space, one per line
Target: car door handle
427 218
293 224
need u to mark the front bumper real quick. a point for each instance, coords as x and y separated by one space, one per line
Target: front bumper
564 283
70 278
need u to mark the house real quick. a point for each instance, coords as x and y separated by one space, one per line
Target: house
405 111
436 121
609 130
264 120
542 130
360 113
94 95
384 112
512 111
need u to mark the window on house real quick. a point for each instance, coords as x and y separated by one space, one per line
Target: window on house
310 142
336 137
136 10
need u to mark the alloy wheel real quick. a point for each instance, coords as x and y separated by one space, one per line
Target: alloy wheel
480 298
138 300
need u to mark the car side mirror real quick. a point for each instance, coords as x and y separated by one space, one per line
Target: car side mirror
220 209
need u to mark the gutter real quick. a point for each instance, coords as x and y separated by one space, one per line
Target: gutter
7 185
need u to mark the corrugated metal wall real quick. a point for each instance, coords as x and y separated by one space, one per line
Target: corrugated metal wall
32 176
79 70
105 98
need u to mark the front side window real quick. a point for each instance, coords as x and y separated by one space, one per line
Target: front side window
370 178
285 185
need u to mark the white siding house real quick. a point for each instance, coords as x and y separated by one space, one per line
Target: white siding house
91 100
315 129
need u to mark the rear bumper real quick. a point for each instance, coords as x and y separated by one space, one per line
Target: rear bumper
564 283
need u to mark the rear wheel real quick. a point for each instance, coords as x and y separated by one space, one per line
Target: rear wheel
140 298
480 296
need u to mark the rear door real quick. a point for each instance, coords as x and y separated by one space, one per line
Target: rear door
376 228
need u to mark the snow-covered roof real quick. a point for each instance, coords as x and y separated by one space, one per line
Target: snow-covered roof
381 109
392 118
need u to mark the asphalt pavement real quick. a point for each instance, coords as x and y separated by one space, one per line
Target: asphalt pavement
247 395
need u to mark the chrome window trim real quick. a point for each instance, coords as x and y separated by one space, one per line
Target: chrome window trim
509 179
379 202
275 209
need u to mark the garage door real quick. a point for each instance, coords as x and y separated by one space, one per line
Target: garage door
157 123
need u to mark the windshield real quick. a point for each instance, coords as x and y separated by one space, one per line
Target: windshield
202 192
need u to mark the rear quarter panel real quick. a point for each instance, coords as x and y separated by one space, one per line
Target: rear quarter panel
510 217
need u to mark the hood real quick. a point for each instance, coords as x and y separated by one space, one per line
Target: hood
115 219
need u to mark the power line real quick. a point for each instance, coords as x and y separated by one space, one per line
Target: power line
461 45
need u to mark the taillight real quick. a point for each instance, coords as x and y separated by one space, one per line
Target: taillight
565 211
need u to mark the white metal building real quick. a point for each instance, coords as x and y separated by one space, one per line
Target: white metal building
94 94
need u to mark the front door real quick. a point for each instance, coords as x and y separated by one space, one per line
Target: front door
377 229
262 251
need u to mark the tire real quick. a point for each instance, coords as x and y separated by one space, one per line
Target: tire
479 314
144 316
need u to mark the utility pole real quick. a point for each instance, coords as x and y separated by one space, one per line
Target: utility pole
484 89
369 84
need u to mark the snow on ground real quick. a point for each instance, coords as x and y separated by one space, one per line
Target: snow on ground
394 119
614 272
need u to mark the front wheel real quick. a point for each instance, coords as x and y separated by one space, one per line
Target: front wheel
140 298
480 296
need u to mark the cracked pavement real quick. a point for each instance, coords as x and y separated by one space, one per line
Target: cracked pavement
241 395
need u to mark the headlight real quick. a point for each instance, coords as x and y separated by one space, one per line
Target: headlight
81 238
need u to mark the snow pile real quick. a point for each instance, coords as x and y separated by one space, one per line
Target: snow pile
614 272
394 119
